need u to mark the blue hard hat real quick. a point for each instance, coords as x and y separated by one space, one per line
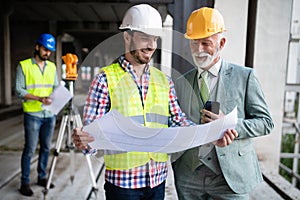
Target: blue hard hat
47 40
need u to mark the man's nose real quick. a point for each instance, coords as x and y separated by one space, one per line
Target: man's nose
199 47
152 43
48 51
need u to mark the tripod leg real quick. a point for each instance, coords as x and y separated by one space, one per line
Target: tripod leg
56 151
71 147
92 176
88 159
77 120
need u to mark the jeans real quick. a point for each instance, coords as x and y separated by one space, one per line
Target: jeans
113 192
41 129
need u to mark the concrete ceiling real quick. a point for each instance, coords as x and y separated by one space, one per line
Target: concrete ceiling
99 11
88 20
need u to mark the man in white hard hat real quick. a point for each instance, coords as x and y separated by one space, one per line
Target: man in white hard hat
210 172
145 94
126 86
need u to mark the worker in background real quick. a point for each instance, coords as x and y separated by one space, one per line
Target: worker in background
36 78
208 171
145 94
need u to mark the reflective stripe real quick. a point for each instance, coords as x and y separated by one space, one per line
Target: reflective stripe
139 119
153 117
112 152
39 86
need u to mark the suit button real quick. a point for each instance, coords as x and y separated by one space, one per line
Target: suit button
209 158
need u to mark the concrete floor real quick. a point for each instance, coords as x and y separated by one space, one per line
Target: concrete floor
11 142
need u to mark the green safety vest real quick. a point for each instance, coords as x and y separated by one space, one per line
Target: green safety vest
37 83
125 98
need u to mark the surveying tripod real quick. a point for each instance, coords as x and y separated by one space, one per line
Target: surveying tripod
70 120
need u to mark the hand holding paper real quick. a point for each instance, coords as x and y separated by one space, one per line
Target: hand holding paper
116 132
60 96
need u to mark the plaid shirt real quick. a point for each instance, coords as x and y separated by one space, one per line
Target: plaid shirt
98 103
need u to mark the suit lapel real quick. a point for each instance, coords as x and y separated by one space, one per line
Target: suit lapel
195 97
192 94
223 85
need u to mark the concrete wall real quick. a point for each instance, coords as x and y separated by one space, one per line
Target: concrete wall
271 53
235 17
270 60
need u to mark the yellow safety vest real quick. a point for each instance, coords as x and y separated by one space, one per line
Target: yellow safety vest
125 98
37 83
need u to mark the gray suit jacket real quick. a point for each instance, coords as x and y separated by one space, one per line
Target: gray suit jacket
237 86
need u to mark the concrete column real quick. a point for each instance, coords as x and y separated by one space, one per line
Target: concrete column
270 61
166 46
181 59
58 57
7 61
235 14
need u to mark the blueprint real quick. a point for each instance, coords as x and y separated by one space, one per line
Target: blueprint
113 131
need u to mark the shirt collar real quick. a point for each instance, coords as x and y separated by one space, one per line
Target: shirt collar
214 70
34 61
127 66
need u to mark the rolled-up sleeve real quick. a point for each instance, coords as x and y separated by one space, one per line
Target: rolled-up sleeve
20 85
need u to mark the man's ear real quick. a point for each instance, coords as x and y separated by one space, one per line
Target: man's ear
126 36
36 47
222 43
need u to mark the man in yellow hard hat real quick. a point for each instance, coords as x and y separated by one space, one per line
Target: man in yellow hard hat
211 172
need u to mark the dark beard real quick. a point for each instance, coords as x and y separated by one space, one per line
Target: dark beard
40 56
135 56
43 58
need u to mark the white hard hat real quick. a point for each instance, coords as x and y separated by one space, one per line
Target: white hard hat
144 18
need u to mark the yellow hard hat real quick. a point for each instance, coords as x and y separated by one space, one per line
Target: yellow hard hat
203 23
